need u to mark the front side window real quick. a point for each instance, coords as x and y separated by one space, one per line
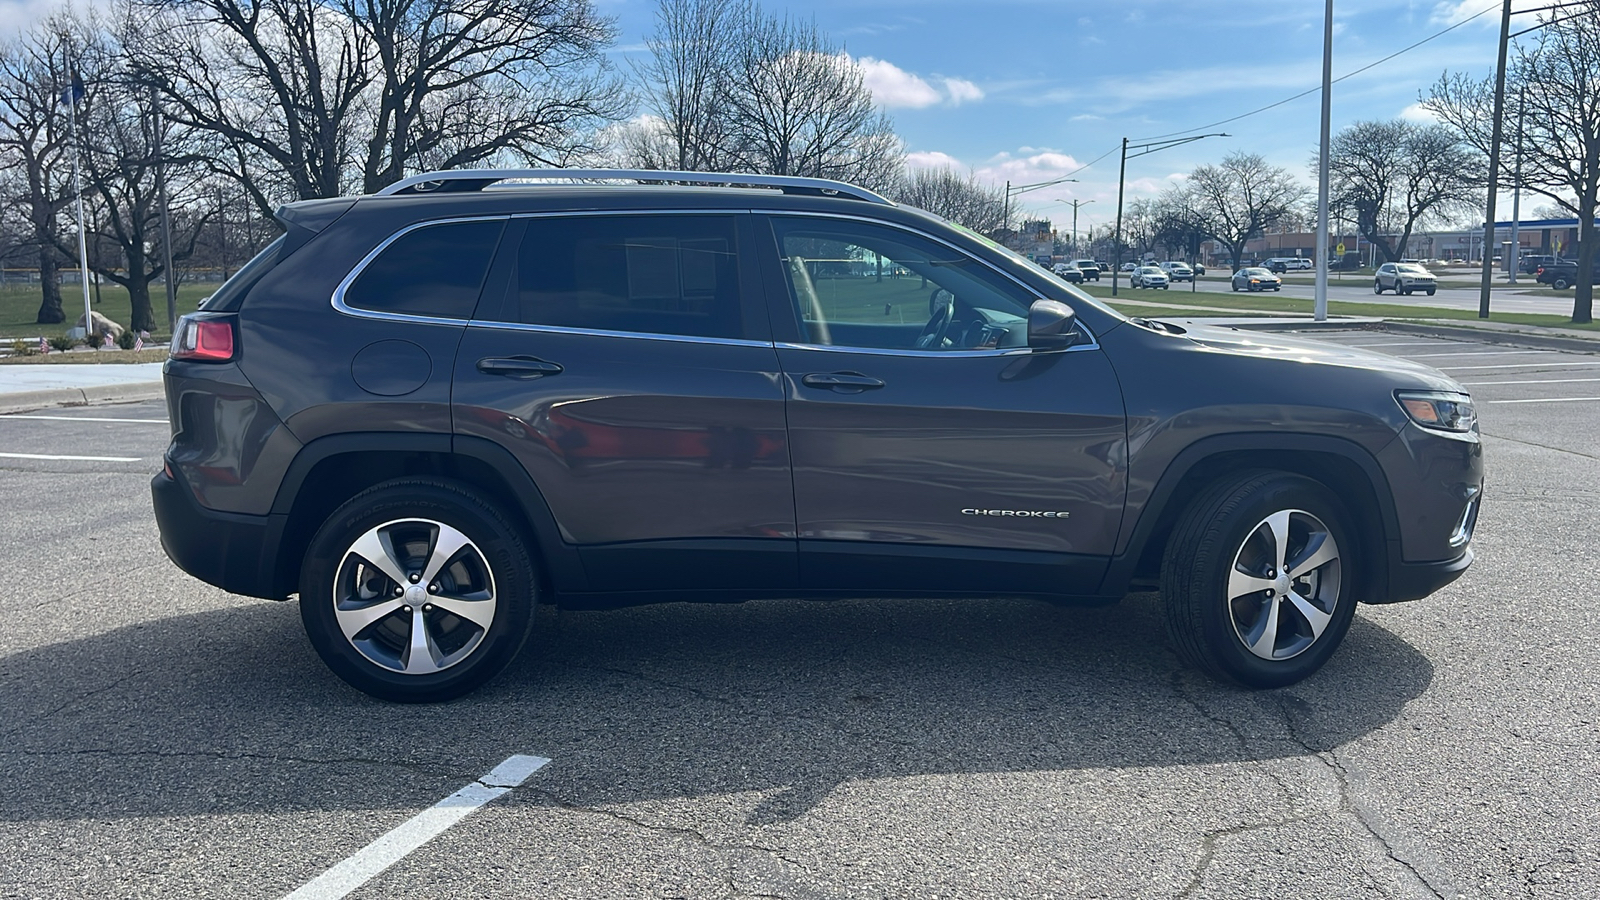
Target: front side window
652 274
435 270
858 284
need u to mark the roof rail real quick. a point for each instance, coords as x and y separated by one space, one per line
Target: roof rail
478 179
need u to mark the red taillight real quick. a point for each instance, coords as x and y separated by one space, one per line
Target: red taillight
1539 271
207 340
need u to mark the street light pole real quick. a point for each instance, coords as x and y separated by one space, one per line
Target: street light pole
1319 305
1075 204
1494 160
1144 149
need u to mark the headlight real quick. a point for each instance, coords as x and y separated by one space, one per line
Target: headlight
1438 410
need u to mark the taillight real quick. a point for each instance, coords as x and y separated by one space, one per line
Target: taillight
204 338
1539 271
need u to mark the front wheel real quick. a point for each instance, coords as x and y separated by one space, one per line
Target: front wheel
1430 291
1561 284
417 590
1377 286
1259 579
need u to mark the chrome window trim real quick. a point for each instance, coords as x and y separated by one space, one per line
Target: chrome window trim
355 272
935 354
1093 344
600 332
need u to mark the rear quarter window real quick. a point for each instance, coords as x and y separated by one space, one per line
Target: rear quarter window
433 270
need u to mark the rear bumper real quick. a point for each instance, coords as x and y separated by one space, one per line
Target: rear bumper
235 552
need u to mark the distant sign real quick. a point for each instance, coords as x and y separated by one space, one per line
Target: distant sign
1339 249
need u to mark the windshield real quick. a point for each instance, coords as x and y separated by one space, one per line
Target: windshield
1256 272
1414 270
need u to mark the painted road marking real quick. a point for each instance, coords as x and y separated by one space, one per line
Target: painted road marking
1530 381
369 861
1435 343
87 419
1548 400
1475 353
79 458
1552 364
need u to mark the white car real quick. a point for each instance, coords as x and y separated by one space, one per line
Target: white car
1149 277
1177 270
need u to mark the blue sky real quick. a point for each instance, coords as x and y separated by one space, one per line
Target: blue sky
1031 90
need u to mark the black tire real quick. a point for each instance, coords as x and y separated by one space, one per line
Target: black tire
1377 286
1431 290
1222 526
1560 283
409 515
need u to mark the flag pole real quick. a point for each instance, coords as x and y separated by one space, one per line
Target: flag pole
77 191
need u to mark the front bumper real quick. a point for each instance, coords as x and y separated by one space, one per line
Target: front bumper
1413 581
232 551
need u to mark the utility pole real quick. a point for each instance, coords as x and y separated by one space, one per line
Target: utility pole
1319 305
1512 264
1144 149
1494 160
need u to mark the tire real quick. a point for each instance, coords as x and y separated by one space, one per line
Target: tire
1560 283
489 582
1404 292
1377 286
1431 290
1231 529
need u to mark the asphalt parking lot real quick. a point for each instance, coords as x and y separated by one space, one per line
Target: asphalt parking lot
160 738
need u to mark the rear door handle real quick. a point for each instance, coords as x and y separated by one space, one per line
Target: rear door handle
842 382
518 367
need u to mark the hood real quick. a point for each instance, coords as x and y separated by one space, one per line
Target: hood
1267 345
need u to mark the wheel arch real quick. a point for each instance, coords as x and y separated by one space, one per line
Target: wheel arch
331 470
1344 467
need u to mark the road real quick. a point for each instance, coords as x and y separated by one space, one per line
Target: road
161 738
1359 290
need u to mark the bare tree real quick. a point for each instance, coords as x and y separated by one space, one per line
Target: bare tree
309 99
800 107
1179 227
35 67
1395 176
1241 197
685 83
963 200
1556 78
1140 226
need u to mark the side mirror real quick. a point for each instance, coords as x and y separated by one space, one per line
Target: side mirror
1052 325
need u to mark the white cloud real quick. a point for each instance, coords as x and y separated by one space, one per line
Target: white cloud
1415 113
932 159
894 87
1451 12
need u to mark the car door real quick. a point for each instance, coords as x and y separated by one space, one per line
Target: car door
628 366
932 449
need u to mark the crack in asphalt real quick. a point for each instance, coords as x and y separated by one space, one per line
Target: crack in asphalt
1348 803
1540 446
418 768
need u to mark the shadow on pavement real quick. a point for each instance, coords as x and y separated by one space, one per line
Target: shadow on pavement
229 710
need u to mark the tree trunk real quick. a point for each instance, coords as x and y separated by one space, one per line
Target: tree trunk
1583 294
139 295
50 311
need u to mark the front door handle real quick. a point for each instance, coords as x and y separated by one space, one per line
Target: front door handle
842 382
518 367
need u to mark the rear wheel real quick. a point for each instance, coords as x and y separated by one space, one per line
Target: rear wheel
1560 283
417 590
1377 286
1258 579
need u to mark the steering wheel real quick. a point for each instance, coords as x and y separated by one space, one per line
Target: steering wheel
944 312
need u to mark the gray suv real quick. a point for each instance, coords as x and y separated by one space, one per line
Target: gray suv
426 411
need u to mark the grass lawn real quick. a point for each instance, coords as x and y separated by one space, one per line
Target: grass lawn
1293 305
19 307
88 357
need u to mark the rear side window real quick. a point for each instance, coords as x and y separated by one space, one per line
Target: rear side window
435 270
227 297
655 274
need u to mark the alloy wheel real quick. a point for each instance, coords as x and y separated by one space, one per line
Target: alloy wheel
1283 587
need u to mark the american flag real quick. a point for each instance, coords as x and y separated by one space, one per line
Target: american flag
138 342
44 345
107 344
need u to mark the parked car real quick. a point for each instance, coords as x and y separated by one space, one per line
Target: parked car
1129 267
1404 278
427 412
1198 268
1563 274
1531 263
1177 271
1091 270
1282 264
1069 272
1255 278
1149 277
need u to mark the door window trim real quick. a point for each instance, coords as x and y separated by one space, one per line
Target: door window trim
1092 344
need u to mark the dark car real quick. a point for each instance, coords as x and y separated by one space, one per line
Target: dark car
1255 278
426 411
1091 270
1071 273
1530 263
1563 274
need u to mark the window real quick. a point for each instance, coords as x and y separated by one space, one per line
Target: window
857 284
435 270
652 274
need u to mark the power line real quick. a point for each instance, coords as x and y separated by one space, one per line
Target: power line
1311 91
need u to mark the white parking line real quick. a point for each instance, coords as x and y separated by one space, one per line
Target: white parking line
1476 353
86 419
1398 344
1548 400
1543 365
80 458
1530 381
354 871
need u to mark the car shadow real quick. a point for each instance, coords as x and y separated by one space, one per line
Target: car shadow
229 710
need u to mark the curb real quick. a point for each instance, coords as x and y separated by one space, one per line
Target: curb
1492 336
23 401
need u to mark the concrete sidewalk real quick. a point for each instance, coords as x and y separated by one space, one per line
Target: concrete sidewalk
24 387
